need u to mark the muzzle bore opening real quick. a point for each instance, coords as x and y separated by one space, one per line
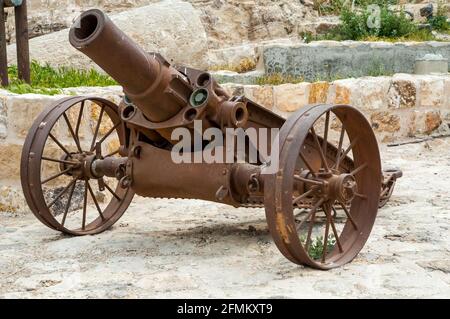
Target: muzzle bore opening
87 26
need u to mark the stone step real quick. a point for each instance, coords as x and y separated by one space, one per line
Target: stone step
332 59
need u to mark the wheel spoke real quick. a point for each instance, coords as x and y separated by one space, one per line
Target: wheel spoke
349 148
95 201
311 212
59 161
113 153
325 240
384 192
80 115
307 164
349 216
306 180
327 211
61 193
69 201
112 192
304 195
56 176
59 144
108 133
97 128
77 142
339 149
359 169
322 155
83 223
310 229
325 134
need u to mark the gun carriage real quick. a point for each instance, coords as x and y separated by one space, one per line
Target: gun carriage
327 187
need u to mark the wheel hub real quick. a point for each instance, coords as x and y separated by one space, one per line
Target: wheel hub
81 167
342 188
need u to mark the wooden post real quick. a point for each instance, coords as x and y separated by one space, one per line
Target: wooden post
23 49
3 56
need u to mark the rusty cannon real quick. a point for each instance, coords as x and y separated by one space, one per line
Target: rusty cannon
317 174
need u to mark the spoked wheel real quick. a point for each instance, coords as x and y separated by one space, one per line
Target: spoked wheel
322 203
56 168
387 188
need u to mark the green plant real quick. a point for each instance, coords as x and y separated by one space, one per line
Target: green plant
24 88
315 249
48 80
277 79
418 36
354 25
440 21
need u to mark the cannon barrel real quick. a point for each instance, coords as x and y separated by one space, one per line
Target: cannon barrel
143 76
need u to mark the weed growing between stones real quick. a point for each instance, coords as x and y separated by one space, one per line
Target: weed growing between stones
49 81
278 79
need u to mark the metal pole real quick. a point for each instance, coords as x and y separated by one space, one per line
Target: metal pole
23 49
3 56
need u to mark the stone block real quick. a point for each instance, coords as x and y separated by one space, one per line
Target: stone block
403 92
10 161
431 63
319 92
24 109
431 91
371 93
385 122
291 97
432 121
262 95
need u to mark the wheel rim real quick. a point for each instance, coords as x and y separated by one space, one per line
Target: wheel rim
341 188
58 145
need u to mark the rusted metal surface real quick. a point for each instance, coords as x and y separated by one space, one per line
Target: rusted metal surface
320 204
75 165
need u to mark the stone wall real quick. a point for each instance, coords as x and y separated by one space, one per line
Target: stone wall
398 108
331 59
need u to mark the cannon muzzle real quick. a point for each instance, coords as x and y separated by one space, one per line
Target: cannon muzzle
143 76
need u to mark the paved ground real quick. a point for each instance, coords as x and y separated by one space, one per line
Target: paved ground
197 249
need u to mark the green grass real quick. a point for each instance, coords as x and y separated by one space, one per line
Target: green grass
278 79
49 81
